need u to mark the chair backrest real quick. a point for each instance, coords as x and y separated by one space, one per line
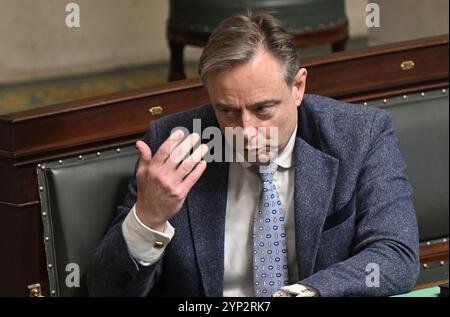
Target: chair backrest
78 200
297 16
422 127
79 195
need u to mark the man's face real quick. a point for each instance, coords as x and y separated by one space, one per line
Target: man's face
255 95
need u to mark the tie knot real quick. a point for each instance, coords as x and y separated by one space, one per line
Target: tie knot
264 172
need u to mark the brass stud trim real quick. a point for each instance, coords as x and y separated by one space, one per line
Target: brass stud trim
425 266
98 153
118 150
42 167
444 91
41 188
365 103
44 214
53 292
80 157
46 239
60 162
422 94
50 266
442 263
405 97
385 101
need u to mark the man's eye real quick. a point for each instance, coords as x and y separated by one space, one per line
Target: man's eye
263 109
228 111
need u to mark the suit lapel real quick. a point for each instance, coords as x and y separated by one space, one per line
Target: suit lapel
206 205
315 177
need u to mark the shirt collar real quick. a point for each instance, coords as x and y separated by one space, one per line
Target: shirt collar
285 159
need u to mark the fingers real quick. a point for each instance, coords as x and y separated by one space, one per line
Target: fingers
190 162
166 148
193 176
145 153
171 157
182 150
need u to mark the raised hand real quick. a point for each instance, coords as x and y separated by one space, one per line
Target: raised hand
164 179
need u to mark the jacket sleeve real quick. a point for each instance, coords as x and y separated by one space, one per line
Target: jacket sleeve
386 233
114 271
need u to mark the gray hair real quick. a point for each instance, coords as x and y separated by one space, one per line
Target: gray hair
237 39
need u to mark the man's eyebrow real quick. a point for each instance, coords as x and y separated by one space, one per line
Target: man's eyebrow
224 105
268 102
253 106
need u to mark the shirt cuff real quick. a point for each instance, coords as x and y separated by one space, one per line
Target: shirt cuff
297 290
146 245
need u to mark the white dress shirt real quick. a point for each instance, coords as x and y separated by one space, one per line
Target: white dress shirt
242 198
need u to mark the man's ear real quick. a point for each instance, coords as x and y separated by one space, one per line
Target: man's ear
299 85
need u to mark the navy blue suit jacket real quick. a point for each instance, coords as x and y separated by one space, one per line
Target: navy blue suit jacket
352 208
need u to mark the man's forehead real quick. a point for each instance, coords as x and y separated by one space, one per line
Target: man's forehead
240 95
262 68
244 92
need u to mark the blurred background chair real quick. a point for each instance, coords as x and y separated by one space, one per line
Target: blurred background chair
311 22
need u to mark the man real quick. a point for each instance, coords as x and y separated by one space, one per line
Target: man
328 213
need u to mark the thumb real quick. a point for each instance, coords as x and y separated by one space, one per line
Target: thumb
145 153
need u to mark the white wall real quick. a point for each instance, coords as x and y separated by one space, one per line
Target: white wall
402 20
356 13
35 42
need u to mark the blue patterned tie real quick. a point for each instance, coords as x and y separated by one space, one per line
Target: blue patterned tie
270 270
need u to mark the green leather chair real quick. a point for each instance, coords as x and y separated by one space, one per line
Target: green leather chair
311 22
79 195
422 127
78 200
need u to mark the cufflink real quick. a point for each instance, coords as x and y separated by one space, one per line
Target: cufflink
158 244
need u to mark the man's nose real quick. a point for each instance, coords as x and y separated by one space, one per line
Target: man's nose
248 126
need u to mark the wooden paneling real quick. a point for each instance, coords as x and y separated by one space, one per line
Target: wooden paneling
93 120
22 249
376 72
15 184
435 252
